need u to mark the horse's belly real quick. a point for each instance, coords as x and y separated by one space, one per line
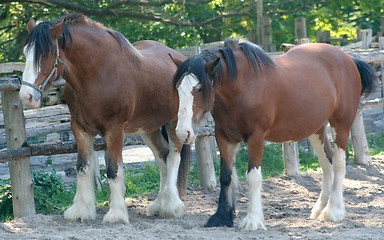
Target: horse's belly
293 132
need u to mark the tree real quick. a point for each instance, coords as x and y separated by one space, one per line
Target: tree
180 23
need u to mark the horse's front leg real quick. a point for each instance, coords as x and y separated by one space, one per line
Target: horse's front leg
255 217
84 203
167 203
117 212
228 181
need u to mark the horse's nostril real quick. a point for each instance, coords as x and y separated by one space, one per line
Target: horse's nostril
189 134
30 97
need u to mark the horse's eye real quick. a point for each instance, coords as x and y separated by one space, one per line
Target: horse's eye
198 88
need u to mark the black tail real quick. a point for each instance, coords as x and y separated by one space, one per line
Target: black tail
368 76
182 177
183 173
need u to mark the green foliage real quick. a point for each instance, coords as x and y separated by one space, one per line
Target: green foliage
51 196
272 163
376 144
189 23
140 181
5 199
308 160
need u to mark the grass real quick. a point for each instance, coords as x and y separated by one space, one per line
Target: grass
52 197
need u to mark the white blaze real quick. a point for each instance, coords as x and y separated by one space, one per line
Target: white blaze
184 128
29 96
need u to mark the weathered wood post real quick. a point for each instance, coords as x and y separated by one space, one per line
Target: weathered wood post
300 29
205 148
291 149
206 155
291 158
381 47
366 37
20 172
359 139
267 34
259 33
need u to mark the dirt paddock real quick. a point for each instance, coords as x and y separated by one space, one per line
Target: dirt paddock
287 205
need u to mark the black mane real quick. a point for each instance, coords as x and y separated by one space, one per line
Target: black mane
196 64
41 40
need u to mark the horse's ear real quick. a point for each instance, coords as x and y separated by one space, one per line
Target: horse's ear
31 25
210 66
56 30
177 61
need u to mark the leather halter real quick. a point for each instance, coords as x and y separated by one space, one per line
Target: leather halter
40 88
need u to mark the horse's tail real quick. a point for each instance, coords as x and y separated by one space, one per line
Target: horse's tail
182 177
368 76
183 173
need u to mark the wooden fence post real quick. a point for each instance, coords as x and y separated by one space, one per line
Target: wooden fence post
259 32
206 155
20 172
300 29
291 149
359 140
267 35
366 37
291 158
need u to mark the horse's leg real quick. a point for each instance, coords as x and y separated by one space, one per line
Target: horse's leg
335 208
228 182
167 203
84 203
117 212
255 217
320 144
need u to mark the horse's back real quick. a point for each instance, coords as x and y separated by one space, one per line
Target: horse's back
317 83
158 49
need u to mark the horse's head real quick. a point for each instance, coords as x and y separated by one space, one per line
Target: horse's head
194 83
43 61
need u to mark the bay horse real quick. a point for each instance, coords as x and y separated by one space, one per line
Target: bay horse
113 88
254 98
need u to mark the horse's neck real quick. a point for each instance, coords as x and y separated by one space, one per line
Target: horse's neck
84 52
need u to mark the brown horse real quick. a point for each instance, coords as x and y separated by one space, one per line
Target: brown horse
254 98
112 88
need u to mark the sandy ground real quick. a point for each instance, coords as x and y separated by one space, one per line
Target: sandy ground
287 205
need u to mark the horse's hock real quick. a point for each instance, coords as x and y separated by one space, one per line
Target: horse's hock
50 130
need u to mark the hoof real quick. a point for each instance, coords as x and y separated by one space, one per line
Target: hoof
220 220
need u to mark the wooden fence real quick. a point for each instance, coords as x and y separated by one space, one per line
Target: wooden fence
17 152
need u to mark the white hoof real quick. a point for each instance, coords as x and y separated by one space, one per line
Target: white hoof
116 215
332 214
167 204
172 206
80 211
252 222
154 207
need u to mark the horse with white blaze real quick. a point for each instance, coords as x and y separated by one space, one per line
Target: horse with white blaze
254 98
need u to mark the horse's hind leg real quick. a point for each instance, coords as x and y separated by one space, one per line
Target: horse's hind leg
330 205
84 203
335 208
319 143
167 203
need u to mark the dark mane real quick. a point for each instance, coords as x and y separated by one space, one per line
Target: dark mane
256 56
40 37
196 64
